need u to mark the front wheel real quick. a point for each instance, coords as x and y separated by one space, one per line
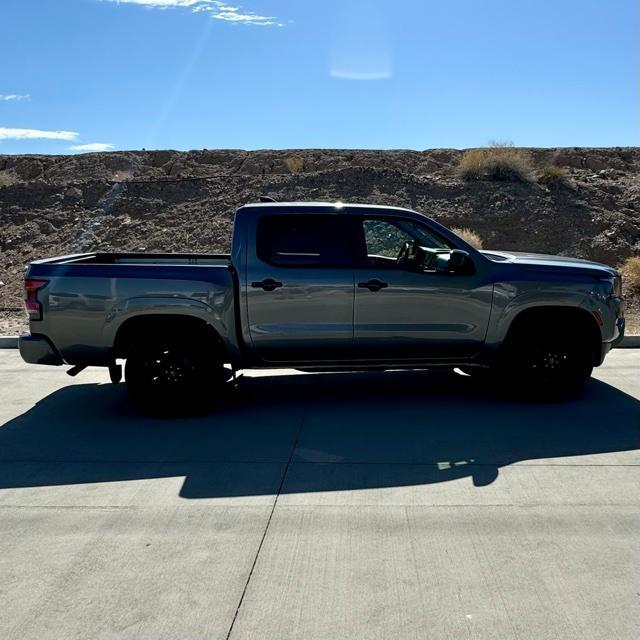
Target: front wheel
171 377
547 369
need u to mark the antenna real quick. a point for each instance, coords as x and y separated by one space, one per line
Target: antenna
267 199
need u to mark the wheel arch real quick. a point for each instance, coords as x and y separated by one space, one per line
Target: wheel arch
146 327
581 322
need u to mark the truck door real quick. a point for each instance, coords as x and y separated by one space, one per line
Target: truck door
300 287
403 311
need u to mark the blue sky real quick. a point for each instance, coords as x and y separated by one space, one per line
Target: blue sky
188 74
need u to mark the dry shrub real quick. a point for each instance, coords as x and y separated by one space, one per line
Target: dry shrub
294 164
499 161
630 270
6 179
554 173
469 236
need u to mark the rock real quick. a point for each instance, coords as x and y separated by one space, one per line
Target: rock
45 226
594 163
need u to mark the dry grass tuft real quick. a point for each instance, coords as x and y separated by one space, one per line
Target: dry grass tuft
294 164
6 179
469 236
630 270
554 173
500 161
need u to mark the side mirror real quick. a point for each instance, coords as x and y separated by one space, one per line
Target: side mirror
460 262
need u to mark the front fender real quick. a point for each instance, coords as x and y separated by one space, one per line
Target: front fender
510 299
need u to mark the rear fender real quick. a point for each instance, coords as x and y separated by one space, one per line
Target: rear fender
220 320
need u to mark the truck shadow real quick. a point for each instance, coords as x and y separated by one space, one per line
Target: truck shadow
358 431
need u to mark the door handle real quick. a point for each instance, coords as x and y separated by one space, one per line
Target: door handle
373 285
268 285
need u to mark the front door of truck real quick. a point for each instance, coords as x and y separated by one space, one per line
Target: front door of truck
300 288
405 311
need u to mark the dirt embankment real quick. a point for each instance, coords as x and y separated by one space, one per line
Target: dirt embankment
184 201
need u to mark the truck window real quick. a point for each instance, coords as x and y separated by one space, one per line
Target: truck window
384 238
388 240
291 240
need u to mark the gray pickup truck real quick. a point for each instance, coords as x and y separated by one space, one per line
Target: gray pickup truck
323 286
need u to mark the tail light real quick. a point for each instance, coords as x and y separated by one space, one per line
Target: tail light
31 288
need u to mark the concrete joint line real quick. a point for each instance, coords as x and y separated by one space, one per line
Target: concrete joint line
266 529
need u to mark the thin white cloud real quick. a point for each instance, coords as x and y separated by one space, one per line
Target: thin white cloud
229 13
36 134
162 3
92 146
14 97
216 8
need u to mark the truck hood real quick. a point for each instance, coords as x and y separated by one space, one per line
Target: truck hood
542 263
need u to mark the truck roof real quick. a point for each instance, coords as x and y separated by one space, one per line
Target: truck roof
323 207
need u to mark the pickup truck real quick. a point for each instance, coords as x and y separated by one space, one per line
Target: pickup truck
321 287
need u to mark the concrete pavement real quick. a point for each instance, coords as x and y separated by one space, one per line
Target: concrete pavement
396 505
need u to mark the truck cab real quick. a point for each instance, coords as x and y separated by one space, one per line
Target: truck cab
360 284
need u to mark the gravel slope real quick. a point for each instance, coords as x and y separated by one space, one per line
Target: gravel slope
184 201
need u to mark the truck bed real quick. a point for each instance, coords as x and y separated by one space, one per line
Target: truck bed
209 259
88 296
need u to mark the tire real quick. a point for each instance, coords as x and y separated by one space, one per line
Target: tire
546 368
172 378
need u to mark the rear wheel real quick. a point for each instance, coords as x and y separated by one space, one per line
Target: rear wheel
173 377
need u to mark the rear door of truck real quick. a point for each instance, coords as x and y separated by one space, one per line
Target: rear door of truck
300 287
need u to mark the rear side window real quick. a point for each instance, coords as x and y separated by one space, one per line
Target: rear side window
311 240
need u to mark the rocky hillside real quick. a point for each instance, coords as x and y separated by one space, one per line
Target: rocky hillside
170 201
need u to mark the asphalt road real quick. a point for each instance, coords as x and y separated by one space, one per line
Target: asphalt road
379 506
